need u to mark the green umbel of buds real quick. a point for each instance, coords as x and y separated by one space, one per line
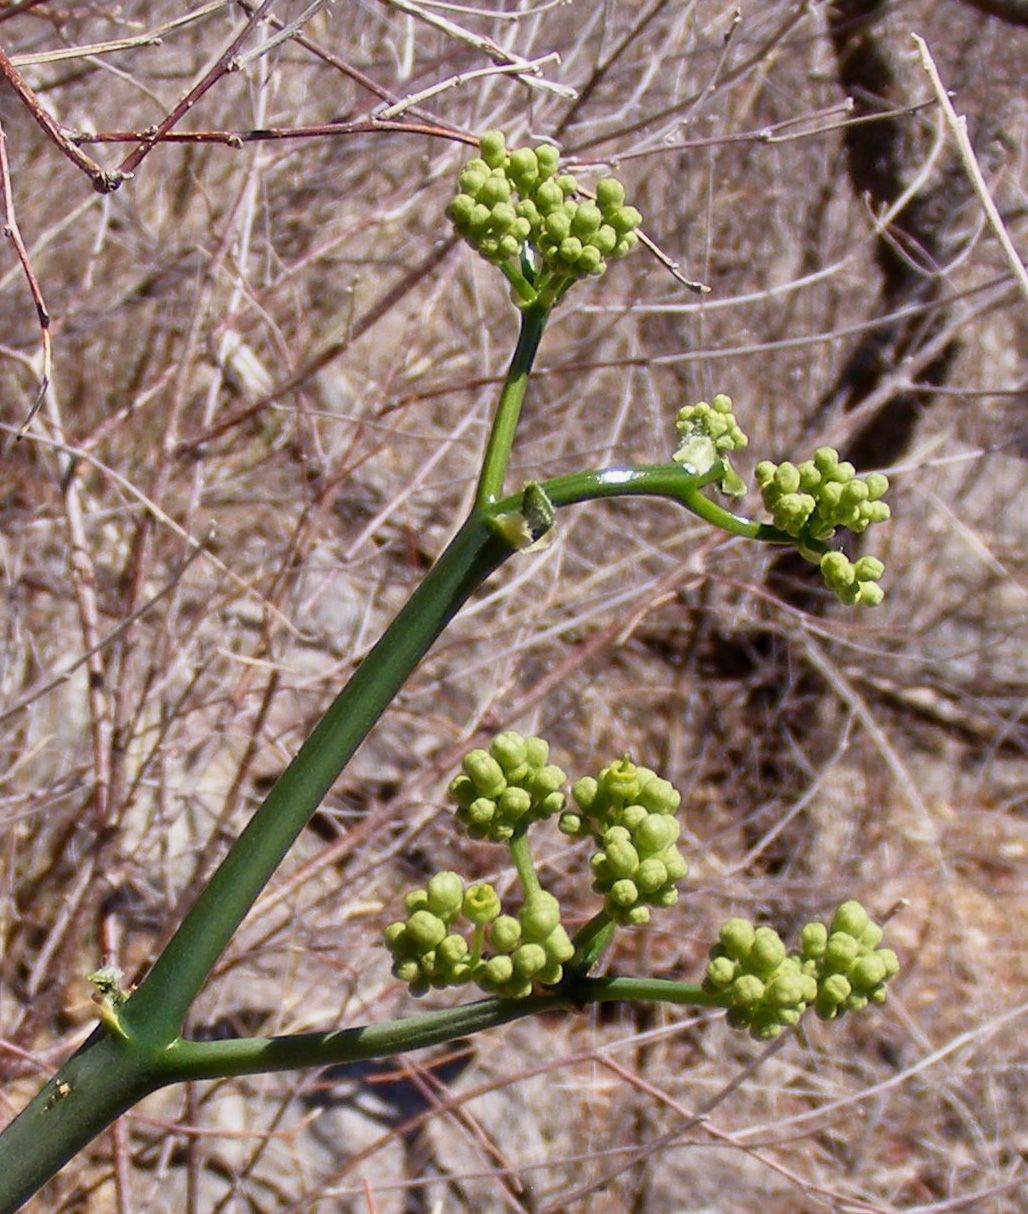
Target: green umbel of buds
707 434
851 970
503 789
430 950
529 949
810 501
766 990
838 968
629 812
518 210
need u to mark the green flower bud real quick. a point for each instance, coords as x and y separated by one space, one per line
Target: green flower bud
568 185
558 226
720 973
604 240
485 772
866 973
610 194
767 951
461 210
585 792
570 824
814 938
737 937
624 220
624 893
655 833
452 951
425 930
528 960
493 148
505 934
549 198
498 970
626 244
840 952
481 904
514 803
547 158
586 220
558 946
747 991
650 876
868 569
417 899
589 261
523 168
508 749
622 858
495 189
850 918
539 916
570 248
445 895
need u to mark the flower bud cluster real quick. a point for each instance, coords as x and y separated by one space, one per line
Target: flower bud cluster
851 969
708 433
531 948
837 969
767 990
430 950
629 812
510 200
810 500
504 788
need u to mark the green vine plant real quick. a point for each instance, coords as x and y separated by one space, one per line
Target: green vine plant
546 233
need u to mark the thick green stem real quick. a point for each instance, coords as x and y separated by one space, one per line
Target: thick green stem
501 438
156 1011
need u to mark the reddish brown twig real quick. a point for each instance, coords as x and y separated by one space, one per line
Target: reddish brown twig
11 231
222 65
104 181
237 139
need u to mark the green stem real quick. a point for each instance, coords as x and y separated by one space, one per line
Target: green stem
501 438
590 940
669 481
522 856
259 1055
156 1011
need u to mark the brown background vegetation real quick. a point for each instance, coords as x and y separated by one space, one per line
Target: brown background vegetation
272 375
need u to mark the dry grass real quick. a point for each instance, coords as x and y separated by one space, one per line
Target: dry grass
264 420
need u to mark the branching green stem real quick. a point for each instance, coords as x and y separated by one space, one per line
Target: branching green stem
508 411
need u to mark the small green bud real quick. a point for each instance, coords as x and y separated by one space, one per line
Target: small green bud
867 972
841 951
417 899
508 749
737 937
568 185
539 916
610 194
547 157
528 960
452 950
650 875
586 220
445 895
486 773
604 240
814 938
747 991
851 918
505 934
624 220
493 148
624 893
498 970
425 930
767 951
720 973
523 167
481 904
